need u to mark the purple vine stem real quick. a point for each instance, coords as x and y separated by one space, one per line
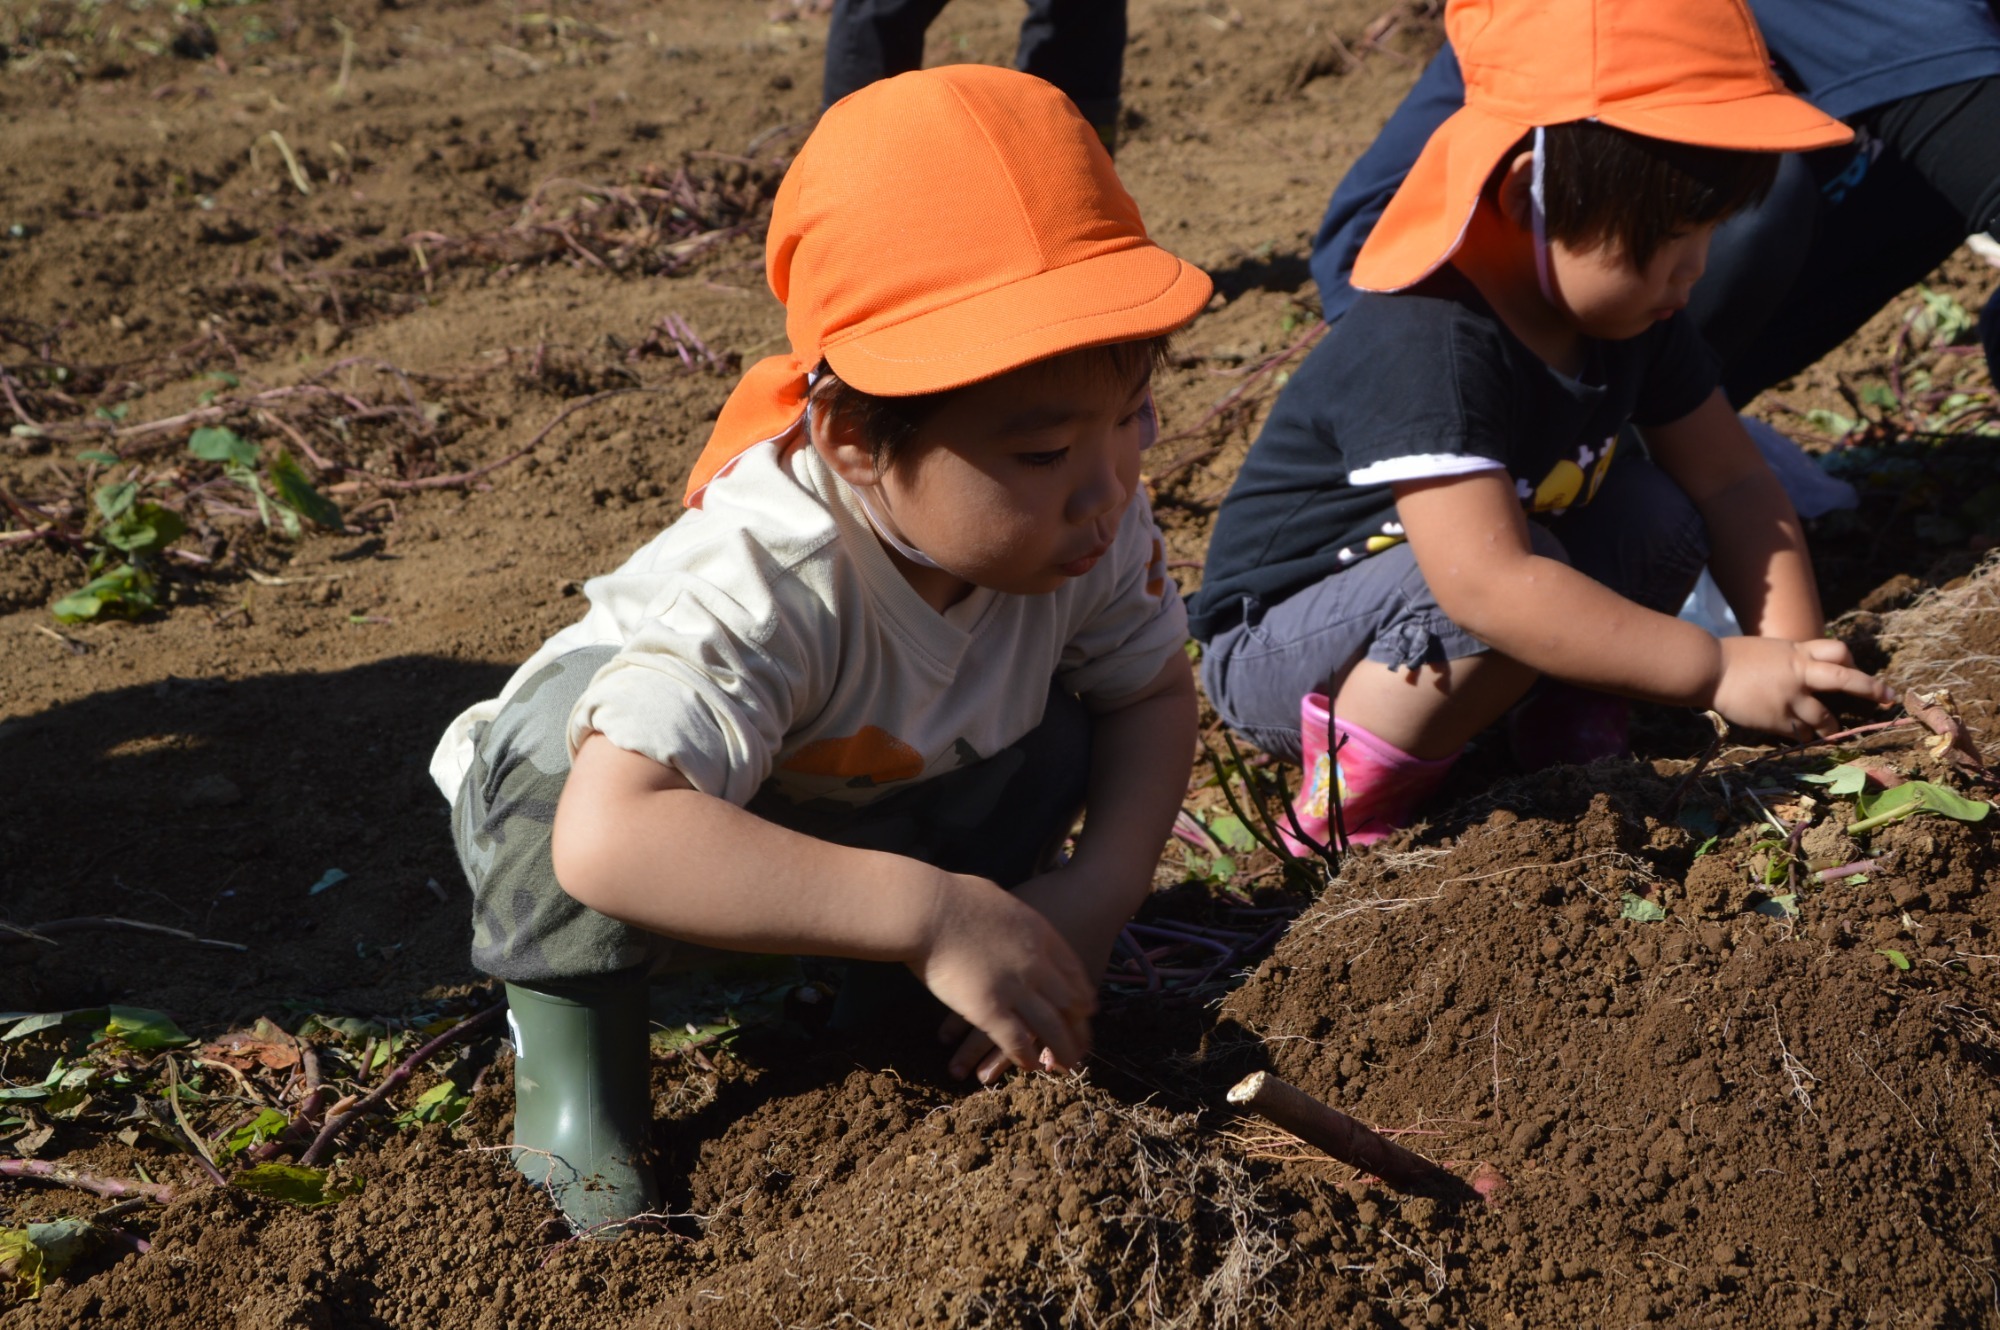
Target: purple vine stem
113 1188
324 1141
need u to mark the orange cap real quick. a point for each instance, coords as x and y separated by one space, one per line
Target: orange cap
943 227
1688 71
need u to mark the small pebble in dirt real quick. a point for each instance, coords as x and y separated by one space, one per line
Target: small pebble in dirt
1727 1254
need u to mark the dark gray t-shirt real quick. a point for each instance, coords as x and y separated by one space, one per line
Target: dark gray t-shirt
1424 383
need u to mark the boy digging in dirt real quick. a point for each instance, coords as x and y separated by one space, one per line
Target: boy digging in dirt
918 616
1444 505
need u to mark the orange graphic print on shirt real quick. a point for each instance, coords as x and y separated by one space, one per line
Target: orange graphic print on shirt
874 754
1156 570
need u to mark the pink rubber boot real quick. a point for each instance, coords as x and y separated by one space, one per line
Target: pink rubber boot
1380 784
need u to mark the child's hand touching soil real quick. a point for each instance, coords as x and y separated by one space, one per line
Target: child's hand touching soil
1087 918
1769 684
1010 975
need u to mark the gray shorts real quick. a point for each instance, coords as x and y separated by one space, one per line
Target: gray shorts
1641 536
999 818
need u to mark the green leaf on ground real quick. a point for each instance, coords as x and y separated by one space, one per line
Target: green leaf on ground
307 1188
31 1256
1911 798
1231 834
1942 320
296 492
214 443
1896 958
1638 907
1778 907
125 592
115 498
333 877
49 1020
267 1124
137 1027
1845 779
146 529
443 1102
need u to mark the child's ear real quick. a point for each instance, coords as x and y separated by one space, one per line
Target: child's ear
1516 195
846 453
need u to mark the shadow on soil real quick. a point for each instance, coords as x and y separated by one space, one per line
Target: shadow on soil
215 806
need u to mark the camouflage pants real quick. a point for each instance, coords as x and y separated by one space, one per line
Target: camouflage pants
999 818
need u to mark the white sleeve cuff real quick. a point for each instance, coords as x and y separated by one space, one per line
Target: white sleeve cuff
1421 466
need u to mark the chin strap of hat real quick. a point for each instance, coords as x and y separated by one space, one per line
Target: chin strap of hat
878 514
885 527
1539 211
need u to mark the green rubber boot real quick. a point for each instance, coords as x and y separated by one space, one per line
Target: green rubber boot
582 1105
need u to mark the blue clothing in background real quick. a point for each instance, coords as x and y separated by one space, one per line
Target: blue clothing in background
1848 56
1375 177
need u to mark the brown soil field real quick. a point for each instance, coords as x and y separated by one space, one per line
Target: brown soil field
485 276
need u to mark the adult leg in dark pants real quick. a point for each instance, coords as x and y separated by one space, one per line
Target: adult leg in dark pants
1078 45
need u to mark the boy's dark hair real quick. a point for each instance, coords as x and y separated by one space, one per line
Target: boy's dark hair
1606 186
890 424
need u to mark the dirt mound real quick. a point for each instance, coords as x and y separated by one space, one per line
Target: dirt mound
1712 1113
404 244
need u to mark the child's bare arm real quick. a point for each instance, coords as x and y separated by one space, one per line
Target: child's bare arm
1471 541
1142 748
1757 547
634 841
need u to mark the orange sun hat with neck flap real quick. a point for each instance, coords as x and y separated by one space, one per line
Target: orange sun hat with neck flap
940 228
1687 71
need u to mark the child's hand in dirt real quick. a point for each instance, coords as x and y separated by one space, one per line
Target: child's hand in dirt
1088 918
1768 684
1010 975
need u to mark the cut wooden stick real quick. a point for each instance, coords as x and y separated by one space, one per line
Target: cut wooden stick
1329 1130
